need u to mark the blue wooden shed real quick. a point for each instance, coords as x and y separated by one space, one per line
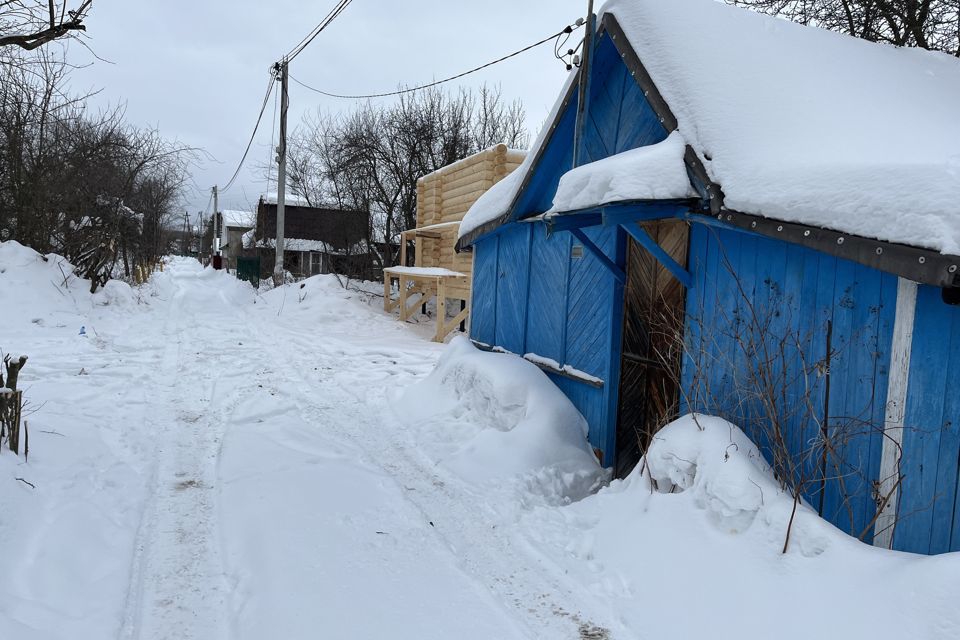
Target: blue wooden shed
830 336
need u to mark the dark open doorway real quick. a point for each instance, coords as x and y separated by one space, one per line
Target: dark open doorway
651 347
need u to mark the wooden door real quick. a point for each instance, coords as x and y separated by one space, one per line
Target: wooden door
652 343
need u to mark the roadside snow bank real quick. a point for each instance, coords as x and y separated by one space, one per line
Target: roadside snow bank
32 286
690 546
493 416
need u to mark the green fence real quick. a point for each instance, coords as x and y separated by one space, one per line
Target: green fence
249 269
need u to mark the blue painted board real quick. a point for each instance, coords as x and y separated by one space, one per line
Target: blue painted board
763 313
484 291
512 271
924 421
546 303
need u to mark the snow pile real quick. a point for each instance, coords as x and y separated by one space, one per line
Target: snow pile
289 199
809 126
656 172
493 416
115 292
32 285
690 546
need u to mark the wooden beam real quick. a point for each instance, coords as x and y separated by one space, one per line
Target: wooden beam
648 243
573 220
441 309
899 377
625 212
599 255
389 302
920 265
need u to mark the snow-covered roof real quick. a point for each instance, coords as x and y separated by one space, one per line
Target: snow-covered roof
290 199
238 219
495 201
800 124
300 244
655 172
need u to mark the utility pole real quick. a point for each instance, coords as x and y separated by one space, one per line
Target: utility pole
281 68
185 235
583 91
215 240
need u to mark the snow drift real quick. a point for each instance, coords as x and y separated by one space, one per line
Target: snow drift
492 416
690 545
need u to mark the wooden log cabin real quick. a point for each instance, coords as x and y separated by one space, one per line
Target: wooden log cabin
439 271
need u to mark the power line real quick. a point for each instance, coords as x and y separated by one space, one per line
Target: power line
273 133
330 17
566 30
263 107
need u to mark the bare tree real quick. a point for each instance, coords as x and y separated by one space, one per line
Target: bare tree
30 24
929 24
86 185
370 159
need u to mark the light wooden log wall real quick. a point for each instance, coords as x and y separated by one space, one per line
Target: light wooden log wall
447 194
443 198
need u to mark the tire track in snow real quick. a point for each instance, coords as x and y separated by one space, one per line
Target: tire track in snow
177 587
547 605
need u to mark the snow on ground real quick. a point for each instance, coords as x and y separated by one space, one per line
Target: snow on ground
213 462
690 546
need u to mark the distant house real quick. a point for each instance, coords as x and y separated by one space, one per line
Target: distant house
742 220
316 239
235 225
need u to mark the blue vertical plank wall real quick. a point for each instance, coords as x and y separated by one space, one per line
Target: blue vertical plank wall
513 271
484 298
822 325
546 314
759 304
928 514
533 294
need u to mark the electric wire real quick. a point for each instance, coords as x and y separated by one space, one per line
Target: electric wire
303 44
304 39
209 202
263 107
330 17
566 30
273 133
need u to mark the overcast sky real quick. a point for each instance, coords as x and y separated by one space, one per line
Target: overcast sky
198 70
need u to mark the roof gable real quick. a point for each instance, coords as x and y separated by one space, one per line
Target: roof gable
620 117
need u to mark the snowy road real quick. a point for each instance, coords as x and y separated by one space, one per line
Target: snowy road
263 485
209 463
